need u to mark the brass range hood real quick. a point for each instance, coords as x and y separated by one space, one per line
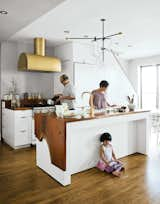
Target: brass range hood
38 61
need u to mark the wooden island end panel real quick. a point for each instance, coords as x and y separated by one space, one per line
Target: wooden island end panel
54 131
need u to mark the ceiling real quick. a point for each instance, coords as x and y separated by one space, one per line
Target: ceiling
21 13
138 20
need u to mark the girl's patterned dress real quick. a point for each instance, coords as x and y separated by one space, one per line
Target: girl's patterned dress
113 165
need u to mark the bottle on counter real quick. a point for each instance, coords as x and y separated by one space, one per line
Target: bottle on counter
13 102
39 96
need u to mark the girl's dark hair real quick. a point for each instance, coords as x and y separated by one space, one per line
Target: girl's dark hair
105 136
104 84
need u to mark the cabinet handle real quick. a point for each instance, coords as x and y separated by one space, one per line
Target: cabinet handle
23 117
23 131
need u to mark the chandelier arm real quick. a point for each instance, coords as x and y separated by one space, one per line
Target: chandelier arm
109 36
80 38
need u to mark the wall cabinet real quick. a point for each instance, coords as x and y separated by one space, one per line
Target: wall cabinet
17 127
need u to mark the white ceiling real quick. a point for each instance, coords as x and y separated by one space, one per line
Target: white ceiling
138 20
21 13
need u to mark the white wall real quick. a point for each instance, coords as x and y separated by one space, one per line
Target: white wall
26 81
0 87
0 70
65 53
133 66
120 86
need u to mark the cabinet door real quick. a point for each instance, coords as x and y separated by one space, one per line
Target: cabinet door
5 124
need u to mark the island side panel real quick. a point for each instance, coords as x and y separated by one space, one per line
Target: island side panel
143 135
43 161
56 139
53 130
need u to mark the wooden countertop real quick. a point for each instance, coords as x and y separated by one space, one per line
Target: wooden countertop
20 109
97 116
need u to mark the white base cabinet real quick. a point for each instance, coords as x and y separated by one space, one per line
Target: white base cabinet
17 127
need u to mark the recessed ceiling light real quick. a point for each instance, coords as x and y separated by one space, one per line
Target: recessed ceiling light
3 12
66 31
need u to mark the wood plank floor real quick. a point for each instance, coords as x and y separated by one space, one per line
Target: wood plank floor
21 182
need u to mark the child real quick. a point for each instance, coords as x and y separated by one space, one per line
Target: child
108 161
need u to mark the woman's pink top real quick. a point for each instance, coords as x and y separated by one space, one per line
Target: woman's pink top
99 100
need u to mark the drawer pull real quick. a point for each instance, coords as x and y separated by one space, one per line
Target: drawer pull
23 117
23 131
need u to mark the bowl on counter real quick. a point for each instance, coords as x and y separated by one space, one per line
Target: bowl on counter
116 109
71 113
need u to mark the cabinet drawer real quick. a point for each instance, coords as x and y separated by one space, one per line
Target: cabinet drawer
23 114
23 123
22 138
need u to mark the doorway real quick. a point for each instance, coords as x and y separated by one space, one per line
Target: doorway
150 100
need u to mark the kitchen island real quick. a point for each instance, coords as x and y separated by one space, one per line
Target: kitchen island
66 146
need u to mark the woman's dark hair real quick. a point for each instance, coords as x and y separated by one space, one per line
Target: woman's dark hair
104 83
105 136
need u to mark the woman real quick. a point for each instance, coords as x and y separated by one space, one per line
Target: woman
68 95
99 98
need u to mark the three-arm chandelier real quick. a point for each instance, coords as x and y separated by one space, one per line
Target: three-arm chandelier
95 39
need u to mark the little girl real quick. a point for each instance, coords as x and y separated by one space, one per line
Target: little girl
108 161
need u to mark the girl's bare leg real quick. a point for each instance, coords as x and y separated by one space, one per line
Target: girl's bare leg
116 173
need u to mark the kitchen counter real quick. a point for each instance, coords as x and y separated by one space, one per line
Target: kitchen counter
20 109
69 145
88 117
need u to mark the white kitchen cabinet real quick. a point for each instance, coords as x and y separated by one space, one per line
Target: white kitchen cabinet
17 127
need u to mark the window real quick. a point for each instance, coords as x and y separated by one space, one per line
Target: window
149 87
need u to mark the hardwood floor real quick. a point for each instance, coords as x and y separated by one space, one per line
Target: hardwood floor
21 182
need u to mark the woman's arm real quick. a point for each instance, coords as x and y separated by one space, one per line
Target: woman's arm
102 156
107 104
71 94
90 99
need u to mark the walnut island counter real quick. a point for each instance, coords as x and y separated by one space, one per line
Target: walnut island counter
66 146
